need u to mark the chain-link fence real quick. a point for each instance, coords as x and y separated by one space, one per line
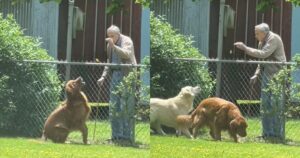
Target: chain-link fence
29 96
273 92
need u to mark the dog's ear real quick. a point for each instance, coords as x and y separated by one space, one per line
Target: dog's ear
69 88
184 92
241 127
233 125
78 78
188 91
243 123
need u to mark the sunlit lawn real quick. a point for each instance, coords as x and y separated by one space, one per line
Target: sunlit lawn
37 148
204 146
33 148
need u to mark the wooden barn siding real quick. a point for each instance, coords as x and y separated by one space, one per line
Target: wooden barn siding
89 44
235 77
37 19
189 18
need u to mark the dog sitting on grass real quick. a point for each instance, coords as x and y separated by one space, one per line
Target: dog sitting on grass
71 115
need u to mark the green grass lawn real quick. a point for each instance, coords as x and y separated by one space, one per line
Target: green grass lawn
33 148
254 130
99 132
167 146
172 147
204 146
292 129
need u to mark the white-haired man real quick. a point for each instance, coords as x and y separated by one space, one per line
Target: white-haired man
270 48
120 50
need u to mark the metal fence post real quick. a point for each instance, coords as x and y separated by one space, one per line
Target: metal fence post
69 39
284 86
220 47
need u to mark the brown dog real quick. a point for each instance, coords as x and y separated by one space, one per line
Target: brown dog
219 114
184 123
71 115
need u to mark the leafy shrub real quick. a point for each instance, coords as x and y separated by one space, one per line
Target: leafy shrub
168 75
283 83
293 91
28 90
133 86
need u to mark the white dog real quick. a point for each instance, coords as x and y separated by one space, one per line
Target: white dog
165 111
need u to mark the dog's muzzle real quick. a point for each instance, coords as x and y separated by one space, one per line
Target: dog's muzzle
196 90
80 79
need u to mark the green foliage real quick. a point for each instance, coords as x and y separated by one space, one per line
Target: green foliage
295 2
293 102
114 6
296 59
132 85
282 84
267 4
277 87
145 3
24 86
168 76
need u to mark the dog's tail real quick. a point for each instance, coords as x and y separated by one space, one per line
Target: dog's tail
197 116
193 114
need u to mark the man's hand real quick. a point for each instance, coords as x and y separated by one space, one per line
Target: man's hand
110 42
253 80
100 81
240 45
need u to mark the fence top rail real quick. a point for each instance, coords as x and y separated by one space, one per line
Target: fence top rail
236 61
81 63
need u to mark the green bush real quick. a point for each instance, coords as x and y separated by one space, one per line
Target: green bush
293 90
282 84
133 86
168 76
29 91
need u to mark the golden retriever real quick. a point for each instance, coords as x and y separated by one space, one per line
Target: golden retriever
219 114
184 123
71 115
165 111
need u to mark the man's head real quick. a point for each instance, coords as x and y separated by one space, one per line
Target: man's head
113 32
261 31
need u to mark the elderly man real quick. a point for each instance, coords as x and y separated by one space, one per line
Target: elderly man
120 50
271 48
